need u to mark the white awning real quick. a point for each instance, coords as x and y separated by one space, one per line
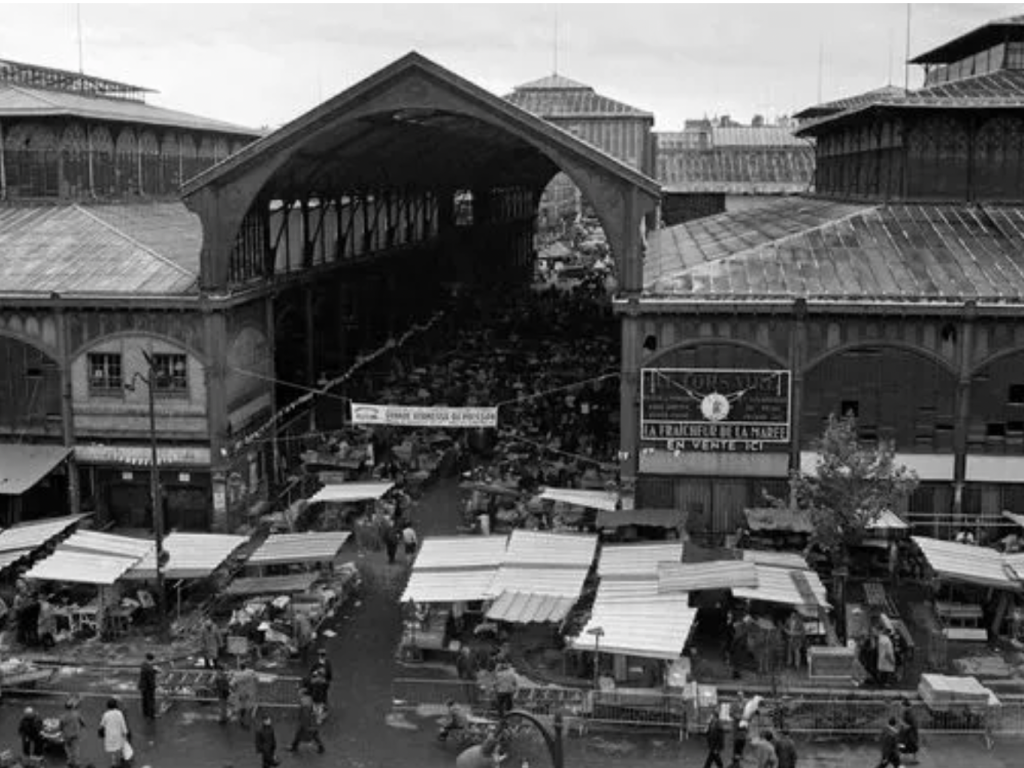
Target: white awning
718 574
786 586
189 555
35 534
551 549
442 552
604 500
519 608
655 627
449 586
968 563
22 465
539 580
81 567
311 547
928 466
777 559
107 544
641 560
351 492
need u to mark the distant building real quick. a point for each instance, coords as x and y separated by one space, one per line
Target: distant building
710 168
622 131
893 293
99 265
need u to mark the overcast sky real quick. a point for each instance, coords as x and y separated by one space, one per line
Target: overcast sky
266 64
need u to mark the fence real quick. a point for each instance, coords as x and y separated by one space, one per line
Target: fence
809 716
177 685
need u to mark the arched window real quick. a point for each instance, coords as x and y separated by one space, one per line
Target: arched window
103 175
189 158
74 151
170 163
32 161
998 155
126 153
149 150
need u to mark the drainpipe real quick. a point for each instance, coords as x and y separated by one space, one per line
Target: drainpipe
3 166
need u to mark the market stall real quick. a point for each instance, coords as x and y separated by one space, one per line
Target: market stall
450 581
291 552
975 588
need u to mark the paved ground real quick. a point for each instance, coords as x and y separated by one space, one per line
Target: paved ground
365 732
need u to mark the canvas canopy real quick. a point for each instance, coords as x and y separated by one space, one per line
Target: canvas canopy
351 492
311 547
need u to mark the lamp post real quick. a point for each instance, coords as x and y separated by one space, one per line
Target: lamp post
154 491
598 633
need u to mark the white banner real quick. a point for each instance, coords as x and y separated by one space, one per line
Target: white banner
414 416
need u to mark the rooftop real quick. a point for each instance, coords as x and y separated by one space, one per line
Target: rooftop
849 102
556 96
26 101
988 34
33 75
822 250
131 249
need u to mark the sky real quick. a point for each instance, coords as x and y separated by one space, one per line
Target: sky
265 64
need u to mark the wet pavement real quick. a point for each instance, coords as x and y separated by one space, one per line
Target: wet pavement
365 730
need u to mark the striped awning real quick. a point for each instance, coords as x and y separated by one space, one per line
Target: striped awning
527 608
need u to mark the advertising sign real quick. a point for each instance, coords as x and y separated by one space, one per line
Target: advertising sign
414 416
715 409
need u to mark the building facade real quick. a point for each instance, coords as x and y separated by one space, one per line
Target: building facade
624 132
98 269
894 294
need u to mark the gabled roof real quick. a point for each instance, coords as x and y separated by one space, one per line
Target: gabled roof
556 97
849 102
414 72
829 251
21 101
738 170
145 249
988 34
769 136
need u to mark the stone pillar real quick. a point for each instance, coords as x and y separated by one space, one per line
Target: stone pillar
307 314
797 361
67 410
215 332
271 329
963 406
629 423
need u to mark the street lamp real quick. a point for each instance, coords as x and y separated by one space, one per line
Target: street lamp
598 633
154 491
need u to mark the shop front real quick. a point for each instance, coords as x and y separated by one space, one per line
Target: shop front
115 482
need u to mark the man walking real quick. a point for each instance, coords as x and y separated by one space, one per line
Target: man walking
505 686
71 725
889 741
245 685
266 743
147 687
320 677
409 541
785 750
739 742
221 687
715 735
308 726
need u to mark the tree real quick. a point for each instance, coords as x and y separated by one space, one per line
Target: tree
854 484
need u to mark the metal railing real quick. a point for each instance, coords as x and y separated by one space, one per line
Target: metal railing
809 716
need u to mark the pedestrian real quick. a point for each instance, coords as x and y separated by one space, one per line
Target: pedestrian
319 683
910 739
505 686
390 536
764 751
739 742
794 630
210 639
114 733
409 541
147 687
245 686
71 725
308 724
30 729
715 735
222 688
785 750
303 634
886 659
266 743
889 742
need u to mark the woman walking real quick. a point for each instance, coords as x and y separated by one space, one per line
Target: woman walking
114 732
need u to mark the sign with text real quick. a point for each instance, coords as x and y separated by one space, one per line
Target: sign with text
416 416
715 409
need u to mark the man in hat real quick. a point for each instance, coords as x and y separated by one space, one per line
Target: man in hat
30 729
71 725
